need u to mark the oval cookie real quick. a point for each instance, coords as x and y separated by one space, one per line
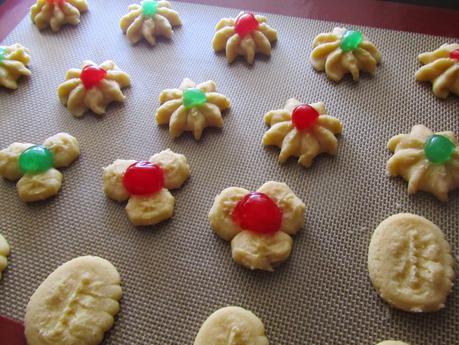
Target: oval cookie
4 252
410 263
75 305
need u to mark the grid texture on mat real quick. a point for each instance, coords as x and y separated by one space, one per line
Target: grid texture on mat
177 273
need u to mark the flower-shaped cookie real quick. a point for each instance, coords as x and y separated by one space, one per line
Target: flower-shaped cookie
57 13
259 224
245 35
35 165
428 161
13 64
344 51
191 108
93 87
146 185
302 130
148 20
441 68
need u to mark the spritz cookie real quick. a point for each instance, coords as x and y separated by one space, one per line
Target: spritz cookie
14 61
259 225
191 108
57 13
342 52
246 35
441 68
428 161
4 252
76 304
410 263
149 20
231 326
303 131
146 185
35 166
93 87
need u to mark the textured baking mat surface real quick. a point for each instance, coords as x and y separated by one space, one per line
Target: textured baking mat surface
177 273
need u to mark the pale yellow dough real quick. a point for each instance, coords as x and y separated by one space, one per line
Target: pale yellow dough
232 326
137 26
151 209
257 42
392 342
75 305
4 252
180 119
410 162
40 186
441 70
78 100
254 250
410 263
329 57
14 65
55 16
306 145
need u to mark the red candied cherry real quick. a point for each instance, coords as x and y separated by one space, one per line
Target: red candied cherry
454 54
245 24
257 212
56 2
92 75
143 178
304 117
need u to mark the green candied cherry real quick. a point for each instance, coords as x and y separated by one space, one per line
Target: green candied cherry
149 8
439 149
36 159
351 40
193 98
2 54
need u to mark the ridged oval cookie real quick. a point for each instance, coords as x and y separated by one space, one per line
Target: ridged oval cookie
232 325
4 252
75 305
410 263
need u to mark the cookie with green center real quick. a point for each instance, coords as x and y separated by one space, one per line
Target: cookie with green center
34 166
428 161
191 108
342 52
14 60
148 20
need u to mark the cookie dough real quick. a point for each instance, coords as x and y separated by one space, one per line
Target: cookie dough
149 20
153 207
76 304
191 108
14 60
61 150
93 87
344 51
57 13
410 263
297 138
4 252
258 249
392 342
232 325
441 68
428 161
245 35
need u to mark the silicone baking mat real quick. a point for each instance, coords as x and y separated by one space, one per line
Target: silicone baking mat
177 273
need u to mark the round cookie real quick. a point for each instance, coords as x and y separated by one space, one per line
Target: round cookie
410 263
232 325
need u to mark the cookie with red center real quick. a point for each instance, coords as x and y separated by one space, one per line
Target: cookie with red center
258 224
57 13
145 185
